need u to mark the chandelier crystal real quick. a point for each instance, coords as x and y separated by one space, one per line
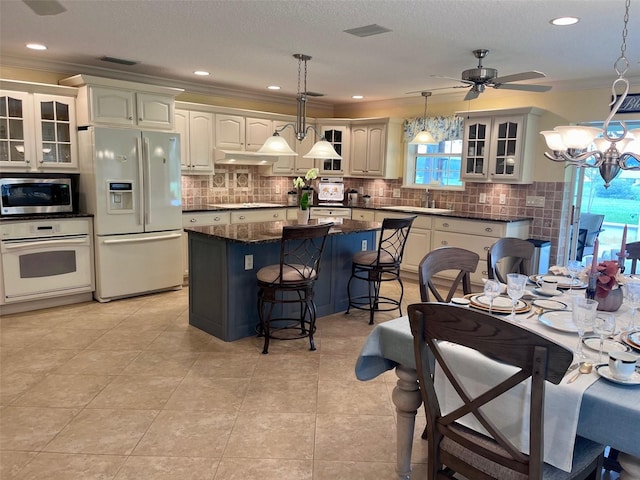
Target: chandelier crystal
580 146
276 145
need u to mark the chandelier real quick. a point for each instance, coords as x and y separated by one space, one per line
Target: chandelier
579 146
424 137
276 145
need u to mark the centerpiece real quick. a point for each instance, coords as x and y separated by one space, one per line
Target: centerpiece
304 194
608 282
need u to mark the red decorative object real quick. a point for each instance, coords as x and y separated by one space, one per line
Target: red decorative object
607 272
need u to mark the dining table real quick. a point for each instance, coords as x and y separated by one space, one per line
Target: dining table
603 410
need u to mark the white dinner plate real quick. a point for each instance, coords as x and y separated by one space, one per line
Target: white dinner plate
558 320
604 372
563 282
608 345
547 293
549 304
460 301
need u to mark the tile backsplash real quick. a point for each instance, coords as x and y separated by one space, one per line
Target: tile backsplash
246 185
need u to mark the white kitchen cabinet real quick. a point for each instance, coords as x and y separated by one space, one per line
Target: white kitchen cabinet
104 101
38 130
498 145
418 242
474 235
199 219
196 141
338 136
363 214
375 148
285 165
237 132
259 215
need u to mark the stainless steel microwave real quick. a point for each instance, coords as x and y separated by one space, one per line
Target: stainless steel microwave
29 195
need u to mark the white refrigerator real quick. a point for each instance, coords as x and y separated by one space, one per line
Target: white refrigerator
130 182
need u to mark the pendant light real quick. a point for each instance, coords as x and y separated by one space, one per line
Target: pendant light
573 144
276 145
424 137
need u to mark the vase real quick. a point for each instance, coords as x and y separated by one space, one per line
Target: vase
610 303
303 216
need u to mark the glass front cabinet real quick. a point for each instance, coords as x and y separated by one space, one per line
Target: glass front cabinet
498 146
338 136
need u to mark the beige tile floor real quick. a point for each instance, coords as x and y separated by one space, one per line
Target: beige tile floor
128 390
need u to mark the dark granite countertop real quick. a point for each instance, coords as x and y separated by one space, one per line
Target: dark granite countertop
43 216
465 216
265 232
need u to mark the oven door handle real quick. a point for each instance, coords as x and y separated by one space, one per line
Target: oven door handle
44 243
139 240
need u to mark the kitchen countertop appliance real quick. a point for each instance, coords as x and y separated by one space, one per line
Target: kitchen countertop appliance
130 180
330 199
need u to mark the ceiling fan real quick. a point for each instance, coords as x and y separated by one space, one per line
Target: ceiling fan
481 77
45 7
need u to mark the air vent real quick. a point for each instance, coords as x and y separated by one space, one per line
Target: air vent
119 61
367 30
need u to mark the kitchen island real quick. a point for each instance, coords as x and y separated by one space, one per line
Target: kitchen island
224 259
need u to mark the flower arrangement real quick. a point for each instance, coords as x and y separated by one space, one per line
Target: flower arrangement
299 184
609 277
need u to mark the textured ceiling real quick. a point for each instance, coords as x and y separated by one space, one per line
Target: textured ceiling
248 44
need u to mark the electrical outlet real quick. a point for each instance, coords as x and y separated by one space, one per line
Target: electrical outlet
503 199
396 193
364 245
381 192
483 198
248 262
535 201
361 190
278 189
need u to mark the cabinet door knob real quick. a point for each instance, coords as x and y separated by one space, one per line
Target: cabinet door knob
444 242
216 219
275 215
130 117
445 225
193 220
241 217
488 229
486 249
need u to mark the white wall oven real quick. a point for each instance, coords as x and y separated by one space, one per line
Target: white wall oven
45 258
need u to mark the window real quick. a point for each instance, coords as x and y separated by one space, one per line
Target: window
435 165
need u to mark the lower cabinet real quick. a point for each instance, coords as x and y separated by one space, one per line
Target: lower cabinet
259 215
419 241
363 214
200 219
475 235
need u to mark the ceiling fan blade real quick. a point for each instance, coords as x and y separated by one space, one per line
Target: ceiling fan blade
471 95
314 94
469 82
517 77
45 7
526 88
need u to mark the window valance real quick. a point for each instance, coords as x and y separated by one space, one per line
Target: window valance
442 128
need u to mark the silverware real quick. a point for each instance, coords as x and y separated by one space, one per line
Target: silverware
585 367
538 311
572 368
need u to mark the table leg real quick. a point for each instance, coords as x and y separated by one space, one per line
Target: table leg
406 398
630 466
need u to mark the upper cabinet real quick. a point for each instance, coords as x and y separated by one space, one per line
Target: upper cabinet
375 148
104 101
499 145
236 132
337 135
196 140
37 127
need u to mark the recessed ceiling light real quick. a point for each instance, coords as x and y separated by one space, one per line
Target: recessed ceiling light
273 87
201 73
36 46
357 97
563 21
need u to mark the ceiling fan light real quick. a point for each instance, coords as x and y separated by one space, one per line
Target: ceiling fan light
423 138
276 145
578 137
322 150
554 140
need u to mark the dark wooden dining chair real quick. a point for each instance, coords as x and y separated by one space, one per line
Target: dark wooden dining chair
453 448
378 266
291 282
460 261
509 255
633 252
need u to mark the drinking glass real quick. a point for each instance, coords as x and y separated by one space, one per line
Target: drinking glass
515 290
633 299
574 267
603 326
492 289
583 314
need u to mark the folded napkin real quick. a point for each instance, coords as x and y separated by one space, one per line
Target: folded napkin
503 285
559 270
510 411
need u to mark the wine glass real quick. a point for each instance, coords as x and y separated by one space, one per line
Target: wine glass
574 267
583 314
603 326
633 298
492 289
515 290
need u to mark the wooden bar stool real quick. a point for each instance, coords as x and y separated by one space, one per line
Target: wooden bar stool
381 265
291 282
